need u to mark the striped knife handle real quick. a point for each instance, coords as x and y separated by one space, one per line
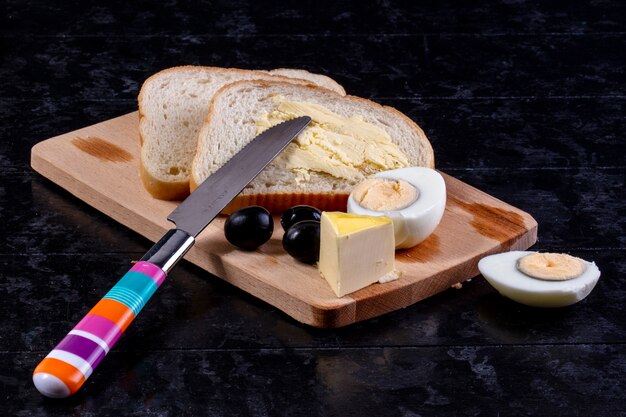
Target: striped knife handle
71 362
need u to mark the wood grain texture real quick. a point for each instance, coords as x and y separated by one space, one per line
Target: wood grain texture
474 225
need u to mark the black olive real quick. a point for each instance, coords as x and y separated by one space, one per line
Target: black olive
249 227
297 214
302 241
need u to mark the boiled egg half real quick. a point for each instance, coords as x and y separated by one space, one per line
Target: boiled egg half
540 279
414 198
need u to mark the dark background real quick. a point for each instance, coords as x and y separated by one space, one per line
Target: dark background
522 99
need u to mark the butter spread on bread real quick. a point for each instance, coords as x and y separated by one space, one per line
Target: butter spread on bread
232 122
345 147
382 194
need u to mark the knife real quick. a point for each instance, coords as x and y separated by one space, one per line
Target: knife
72 361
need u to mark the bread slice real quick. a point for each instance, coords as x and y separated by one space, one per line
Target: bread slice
231 124
172 106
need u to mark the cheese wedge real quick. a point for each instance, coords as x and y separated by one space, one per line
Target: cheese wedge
356 251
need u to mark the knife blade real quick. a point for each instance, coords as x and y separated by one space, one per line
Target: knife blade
66 368
197 211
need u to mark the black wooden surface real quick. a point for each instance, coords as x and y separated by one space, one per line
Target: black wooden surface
522 99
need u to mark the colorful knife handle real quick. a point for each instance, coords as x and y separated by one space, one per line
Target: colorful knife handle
72 361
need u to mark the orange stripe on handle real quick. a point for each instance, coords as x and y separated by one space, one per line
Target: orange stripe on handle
115 311
70 375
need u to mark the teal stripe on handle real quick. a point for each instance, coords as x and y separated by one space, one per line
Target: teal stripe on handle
133 290
128 298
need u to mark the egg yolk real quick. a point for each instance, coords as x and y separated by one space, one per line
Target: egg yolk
380 194
551 266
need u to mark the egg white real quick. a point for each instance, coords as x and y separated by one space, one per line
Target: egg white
501 272
414 223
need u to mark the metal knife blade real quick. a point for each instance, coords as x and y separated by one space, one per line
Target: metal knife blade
208 200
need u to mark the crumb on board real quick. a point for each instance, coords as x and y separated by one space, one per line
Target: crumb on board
457 286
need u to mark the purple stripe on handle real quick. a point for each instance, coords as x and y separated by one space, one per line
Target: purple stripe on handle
99 326
83 347
150 270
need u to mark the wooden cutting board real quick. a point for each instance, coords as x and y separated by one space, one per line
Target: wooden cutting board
99 164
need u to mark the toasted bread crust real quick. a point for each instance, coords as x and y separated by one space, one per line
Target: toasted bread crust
336 85
279 202
163 190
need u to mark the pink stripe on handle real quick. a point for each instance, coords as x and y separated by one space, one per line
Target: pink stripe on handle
150 270
99 326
